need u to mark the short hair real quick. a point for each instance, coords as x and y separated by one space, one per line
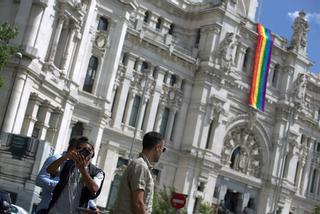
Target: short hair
151 139
75 141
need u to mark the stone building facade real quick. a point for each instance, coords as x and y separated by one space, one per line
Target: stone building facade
113 70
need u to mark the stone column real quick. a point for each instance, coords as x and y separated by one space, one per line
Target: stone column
33 25
154 101
300 177
63 133
109 167
20 19
31 115
128 109
53 125
117 36
209 188
95 137
196 114
158 120
208 41
68 49
305 183
120 102
182 114
240 57
138 64
170 124
43 118
56 38
142 111
14 102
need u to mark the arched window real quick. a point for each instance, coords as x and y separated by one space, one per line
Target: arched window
235 154
103 24
159 23
134 111
275 76
91 74
146 17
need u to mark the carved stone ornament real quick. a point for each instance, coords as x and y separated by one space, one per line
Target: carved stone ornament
242 152
299 90
225 52
300 29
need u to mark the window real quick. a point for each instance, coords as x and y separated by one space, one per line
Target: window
91 74
159 23
103 24
313 181
246 60
319 114
114 99
164 121
296 178
171 29
146 17
144 67
173 80
77 130
144 115
134 111
275 76
198 37
173 126
302 139
318 147
209 135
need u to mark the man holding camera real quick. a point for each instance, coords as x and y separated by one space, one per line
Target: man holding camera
79 180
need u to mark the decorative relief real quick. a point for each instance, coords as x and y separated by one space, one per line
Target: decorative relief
242 152
300 29
299 91
225 52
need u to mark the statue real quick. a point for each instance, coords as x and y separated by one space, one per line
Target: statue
241 160
300 29
225 50
300 89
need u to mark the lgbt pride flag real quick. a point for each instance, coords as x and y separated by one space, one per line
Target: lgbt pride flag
261 68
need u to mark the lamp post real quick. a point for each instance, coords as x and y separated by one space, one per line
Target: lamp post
144 81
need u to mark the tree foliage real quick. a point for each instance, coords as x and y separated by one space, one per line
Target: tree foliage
161 202
7 32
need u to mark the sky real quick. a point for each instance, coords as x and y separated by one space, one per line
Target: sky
278 16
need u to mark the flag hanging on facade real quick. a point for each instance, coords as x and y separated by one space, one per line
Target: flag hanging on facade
261 68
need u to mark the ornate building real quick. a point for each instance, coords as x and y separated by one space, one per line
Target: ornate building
113 70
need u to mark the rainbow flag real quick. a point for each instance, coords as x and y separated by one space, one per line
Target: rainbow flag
261 68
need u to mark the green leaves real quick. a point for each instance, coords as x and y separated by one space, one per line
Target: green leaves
7 32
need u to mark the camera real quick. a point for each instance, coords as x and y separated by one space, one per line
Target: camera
85 153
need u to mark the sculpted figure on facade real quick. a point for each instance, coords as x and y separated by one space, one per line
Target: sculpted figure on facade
300 89
300 29
225 52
